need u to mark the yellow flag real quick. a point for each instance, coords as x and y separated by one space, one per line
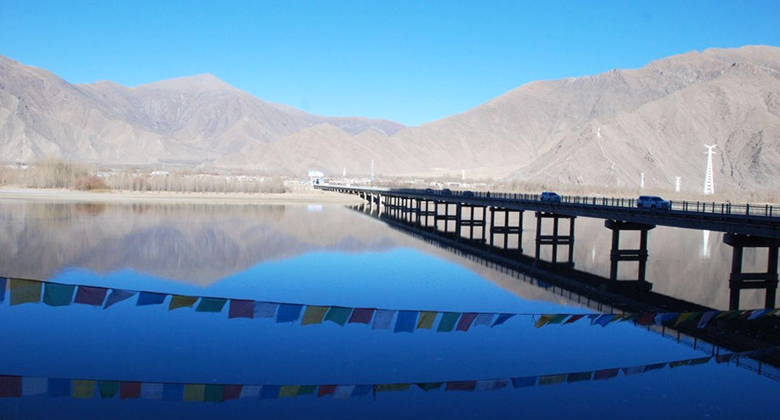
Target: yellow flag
314 315
25 291
543 320
426 320
83 388
289 390
194 392
178 301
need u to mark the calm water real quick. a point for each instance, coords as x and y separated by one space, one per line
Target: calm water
324 257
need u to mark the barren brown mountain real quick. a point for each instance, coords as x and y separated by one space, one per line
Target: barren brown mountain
601 130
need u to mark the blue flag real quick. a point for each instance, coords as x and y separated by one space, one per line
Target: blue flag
406 321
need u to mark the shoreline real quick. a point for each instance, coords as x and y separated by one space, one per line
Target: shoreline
74 196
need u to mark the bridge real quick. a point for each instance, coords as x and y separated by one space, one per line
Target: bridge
745 226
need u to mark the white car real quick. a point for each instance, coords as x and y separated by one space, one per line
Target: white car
652 202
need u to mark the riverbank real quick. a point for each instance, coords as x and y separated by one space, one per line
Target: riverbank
74 196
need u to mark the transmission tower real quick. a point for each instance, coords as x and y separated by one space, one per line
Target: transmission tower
709 185
372 171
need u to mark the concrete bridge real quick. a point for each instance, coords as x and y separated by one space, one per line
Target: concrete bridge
487 215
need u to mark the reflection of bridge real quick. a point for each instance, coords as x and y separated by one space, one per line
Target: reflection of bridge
745 226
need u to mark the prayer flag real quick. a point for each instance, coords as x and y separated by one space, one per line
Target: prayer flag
326 390
484 319
426 320
55 294
492 384
314 315
579 376
343 391
683 316
502 318
448 321
603 374
383 320
10 386
603 320
759 313
338 314
232 392
645 319
306 390
700 361
150 298
211 305
406 321
129 390
194 392
172 392
270 392
705 319
3 281
460 386
83 388
213 393
88 295
288 312
265 310
361 390
552 379
524 382
655 366
557 319
289 391
429 386
465 321
543 320
117 296
241 309
250 391
391 387
633 370
25 291
152 391
108 389
179 301
574 318
59 387
361 316
34 386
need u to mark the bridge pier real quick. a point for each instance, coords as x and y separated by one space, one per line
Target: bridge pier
471 221
556 238
446 217
739 280
639 255
424 213
506 229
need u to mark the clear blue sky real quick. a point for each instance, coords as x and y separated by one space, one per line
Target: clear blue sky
410 61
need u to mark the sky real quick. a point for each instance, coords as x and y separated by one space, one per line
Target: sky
408 61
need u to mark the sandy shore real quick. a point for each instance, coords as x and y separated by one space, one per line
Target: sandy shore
62 195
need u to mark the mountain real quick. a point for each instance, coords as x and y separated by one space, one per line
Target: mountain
601 130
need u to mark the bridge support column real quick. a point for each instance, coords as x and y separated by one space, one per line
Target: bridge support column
617 255
446 217
739 280
472 221
556 238
506 229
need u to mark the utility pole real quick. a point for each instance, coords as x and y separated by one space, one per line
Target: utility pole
677 183
709 184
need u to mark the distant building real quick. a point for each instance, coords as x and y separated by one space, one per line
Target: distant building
316 177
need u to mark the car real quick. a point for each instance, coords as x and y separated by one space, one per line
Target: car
652 202
468 193
429 190
550 197
446 191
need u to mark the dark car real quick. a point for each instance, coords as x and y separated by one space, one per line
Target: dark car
468 193
429 191
652 202
550 197
446 191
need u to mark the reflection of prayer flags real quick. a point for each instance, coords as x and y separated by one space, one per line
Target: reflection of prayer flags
524 382
58 294
179 301
492 384
361 316
557 319
117 296
10 386
213 393
34 386
83 388
465 321
429 386
211 305
543 320
460 386
25 291
306 390
391 387
448 321
338 314
270 392
603 374
679 363
59 387
194 392
382 320
88 295
288 312
551 379
705 319
723 358
759 313
502 318
361 390
574 318
250 391
343 391
265 309
656 366
578 376
426 320
406 321
232 392
172 392
241 308
129 390
288 391
700 361
108 389
603 320
151 391
3 281
326 390
150 298
682 318
484 319
314 315
634 370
